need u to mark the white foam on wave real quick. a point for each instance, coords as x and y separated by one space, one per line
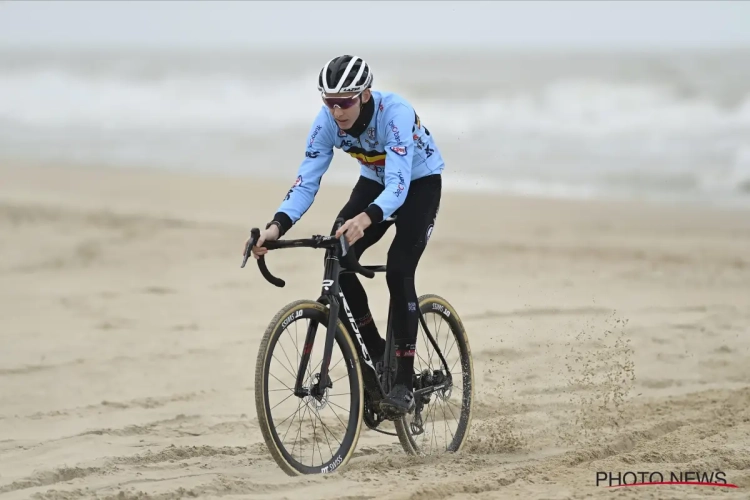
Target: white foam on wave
47 98
587 109
54 97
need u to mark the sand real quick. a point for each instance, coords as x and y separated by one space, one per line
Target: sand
606 336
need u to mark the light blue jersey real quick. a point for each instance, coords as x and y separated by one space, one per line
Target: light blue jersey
394 150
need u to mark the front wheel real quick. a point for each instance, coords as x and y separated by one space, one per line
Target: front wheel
441 420
318 432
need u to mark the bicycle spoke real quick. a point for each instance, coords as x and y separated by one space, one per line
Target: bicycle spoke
432 413
337 364
337 415
431 417
334 381
454 364
284 367
315 440
277 404
287 358
325 428
282 383
422 359
296 341
449 351
445 421
446 426
329 369
337 406
445 348
295 413
296 432
431 349
299 432
429 429
448 405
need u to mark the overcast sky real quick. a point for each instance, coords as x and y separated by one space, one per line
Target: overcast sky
239 24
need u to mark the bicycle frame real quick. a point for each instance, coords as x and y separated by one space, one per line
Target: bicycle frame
336 250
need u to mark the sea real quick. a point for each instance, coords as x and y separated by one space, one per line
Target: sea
669 126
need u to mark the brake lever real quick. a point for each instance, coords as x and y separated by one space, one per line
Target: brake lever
254 237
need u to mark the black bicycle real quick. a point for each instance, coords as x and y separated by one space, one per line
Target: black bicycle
318 394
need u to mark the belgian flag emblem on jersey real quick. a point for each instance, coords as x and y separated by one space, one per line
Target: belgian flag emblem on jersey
375 158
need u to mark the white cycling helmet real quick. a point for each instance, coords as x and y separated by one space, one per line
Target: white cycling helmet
344 74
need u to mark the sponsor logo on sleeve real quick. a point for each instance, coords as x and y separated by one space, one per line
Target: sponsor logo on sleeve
297 182
314 135
396 133
399 150
421 145
401 185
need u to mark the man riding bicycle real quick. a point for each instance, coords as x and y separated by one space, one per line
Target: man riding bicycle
400 183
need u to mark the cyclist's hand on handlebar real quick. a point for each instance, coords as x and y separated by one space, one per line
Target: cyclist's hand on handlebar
354 228
270 234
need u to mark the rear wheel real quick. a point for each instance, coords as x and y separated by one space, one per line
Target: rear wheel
316 433
441 420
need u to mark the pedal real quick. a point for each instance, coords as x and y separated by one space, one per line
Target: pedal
391 416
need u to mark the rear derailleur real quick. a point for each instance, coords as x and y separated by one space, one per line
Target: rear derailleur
423 380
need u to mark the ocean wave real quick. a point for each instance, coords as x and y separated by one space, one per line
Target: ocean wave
47 98
577 134
55 97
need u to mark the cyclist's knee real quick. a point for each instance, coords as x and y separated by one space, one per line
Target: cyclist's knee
400 276
395 280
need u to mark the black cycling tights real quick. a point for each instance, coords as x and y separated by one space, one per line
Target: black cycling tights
414 222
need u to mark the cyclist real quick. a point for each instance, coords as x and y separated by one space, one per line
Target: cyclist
400 183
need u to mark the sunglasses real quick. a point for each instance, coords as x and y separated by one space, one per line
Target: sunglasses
340 102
